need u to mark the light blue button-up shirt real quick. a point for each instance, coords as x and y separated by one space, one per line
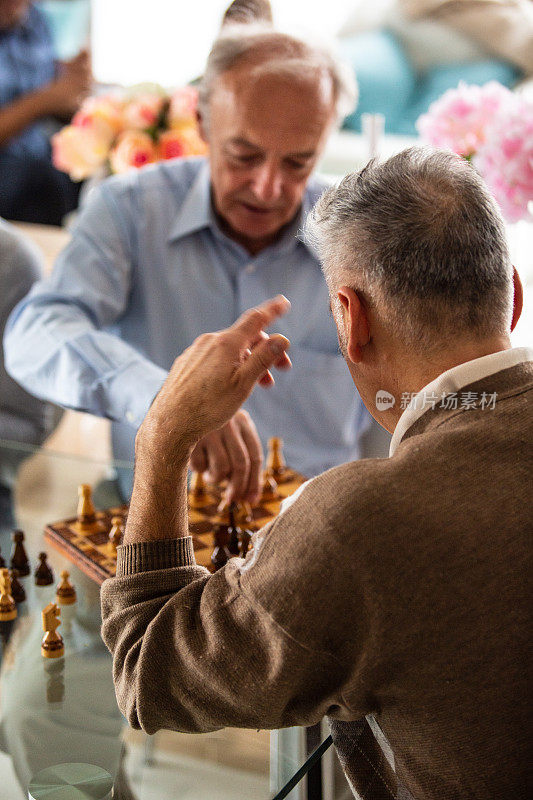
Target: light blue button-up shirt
146 272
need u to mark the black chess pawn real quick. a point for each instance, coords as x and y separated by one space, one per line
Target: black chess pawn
43 574
18 592
19 558
233 532
221 554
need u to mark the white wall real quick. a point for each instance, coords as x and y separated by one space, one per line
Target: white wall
167 41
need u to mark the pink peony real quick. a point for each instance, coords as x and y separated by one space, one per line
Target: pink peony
79 151
132 150
142 112
458 120
180 143
505 159
182 108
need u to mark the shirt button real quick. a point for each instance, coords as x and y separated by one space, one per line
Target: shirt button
129 416
249 269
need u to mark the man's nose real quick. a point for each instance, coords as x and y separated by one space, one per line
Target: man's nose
267 183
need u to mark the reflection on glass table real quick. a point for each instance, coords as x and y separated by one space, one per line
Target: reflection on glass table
64 710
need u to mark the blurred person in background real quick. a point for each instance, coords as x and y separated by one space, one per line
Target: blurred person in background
23 418
34 89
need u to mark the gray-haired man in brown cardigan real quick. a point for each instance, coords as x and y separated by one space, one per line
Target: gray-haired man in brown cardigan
397 587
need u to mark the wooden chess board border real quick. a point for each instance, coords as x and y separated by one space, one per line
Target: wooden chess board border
54 533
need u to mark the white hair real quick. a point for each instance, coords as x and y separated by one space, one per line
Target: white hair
272 52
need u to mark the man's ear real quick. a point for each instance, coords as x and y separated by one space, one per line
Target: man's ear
518 298
201 126
356 322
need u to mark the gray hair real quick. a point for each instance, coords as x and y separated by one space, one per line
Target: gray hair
421 237
278 53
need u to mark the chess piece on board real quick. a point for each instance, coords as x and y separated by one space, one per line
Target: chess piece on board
52 642
116 533
43 574
270 488
65 592
8 607
233 531
18 591
19 559
221 553
86 521
197 492
244 542
275 461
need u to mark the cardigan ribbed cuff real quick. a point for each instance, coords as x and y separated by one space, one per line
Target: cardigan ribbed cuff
154 554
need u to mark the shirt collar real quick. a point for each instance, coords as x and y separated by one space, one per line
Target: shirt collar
196 212
453 380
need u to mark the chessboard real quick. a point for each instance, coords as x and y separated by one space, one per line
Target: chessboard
85 539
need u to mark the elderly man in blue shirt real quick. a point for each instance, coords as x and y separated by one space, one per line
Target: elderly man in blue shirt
163 254
34 87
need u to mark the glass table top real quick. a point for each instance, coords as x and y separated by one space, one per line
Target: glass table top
61 710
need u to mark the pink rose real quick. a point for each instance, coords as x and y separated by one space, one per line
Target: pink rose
180 143
103 114
182 108
79 151
133 149
458 120
143 111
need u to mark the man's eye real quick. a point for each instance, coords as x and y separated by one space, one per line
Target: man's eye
297 165
241 159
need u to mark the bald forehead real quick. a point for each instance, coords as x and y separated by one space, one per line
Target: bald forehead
249 81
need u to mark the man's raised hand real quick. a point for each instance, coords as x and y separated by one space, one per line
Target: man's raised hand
210 380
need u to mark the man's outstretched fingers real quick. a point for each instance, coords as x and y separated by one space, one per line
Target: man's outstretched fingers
253 321
264 355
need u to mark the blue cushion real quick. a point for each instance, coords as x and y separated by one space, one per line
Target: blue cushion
385 76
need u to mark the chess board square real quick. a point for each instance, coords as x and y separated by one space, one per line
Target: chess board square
202 526
100 537
207 511
198 544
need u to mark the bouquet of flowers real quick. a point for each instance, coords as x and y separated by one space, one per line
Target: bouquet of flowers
493 128
118 133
